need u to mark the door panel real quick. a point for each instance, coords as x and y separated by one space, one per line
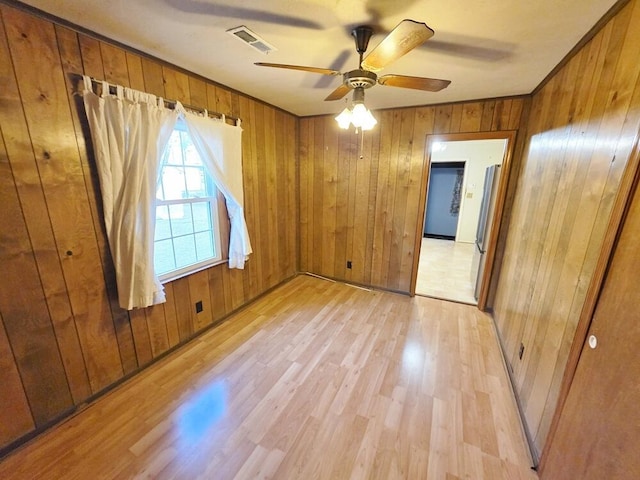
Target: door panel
599 430
441 218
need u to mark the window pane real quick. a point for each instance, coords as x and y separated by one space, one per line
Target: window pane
204 245
163 257
201 216
159 189
185 251
196 186
173 183
163 229
191 155
173 153
181 222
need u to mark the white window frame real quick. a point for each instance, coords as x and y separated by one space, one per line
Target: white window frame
215 221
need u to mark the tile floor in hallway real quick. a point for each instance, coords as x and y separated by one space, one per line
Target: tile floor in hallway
444 270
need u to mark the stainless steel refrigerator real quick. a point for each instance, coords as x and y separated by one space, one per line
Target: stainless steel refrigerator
489 194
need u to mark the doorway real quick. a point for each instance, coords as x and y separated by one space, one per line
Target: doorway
454 267
443 197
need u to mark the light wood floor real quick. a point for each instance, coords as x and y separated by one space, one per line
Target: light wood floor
444 270
316 380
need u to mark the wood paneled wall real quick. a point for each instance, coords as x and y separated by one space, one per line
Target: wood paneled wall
581 130
360 194
63 339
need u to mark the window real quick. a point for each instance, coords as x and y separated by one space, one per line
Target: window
187 237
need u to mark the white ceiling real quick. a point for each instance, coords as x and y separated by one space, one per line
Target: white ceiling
487 48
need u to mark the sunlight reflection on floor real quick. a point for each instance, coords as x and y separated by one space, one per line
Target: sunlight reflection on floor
202 412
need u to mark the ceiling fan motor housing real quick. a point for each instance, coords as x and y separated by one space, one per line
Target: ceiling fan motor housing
360 79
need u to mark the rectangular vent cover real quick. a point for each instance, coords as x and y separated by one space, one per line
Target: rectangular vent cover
251 39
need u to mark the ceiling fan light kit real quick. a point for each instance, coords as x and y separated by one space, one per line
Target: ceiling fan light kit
359 116
406 36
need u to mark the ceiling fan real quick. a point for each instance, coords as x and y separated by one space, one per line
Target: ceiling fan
406 36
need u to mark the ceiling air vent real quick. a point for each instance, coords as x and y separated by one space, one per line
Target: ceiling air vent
251 39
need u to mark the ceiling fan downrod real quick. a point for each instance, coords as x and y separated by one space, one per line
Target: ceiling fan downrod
362 35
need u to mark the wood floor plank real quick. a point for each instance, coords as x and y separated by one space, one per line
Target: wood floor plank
317 379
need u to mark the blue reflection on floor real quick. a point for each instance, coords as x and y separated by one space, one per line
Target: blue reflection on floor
203 410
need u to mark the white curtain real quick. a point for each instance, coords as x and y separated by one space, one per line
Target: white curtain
129 131
220 147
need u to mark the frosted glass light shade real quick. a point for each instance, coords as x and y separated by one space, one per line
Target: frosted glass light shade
359 117
344 118
368 121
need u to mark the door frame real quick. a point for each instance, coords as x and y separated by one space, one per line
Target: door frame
496 221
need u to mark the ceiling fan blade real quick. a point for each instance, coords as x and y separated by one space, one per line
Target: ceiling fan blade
200 7
338 64
338 93
406 36
323 71
417 83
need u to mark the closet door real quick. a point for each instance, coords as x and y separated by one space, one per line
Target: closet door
598 434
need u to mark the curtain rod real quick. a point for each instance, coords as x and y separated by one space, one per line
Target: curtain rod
172 103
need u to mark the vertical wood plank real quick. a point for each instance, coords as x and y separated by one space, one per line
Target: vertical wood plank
371 209
304 160
471 117
216 294
198 92
199 292
250 182
15 416
176 85
280 179
455 122
223 101
355 151
135 72
391 184
153 80
381 211
488 111
443 120
292 189
183 308
157 328
359 198
141 336
318 197
501 115
114 62
268 193
327 236
170 316
91 57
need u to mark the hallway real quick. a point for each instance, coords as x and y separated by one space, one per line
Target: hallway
444 270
